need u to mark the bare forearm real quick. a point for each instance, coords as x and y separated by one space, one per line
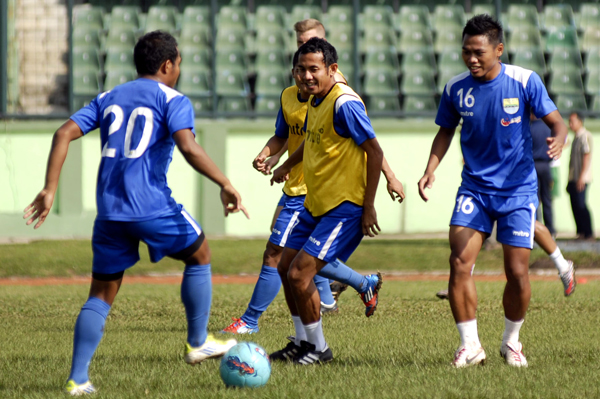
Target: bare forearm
440 146
374 167
387 171
275 146
58 153
295 158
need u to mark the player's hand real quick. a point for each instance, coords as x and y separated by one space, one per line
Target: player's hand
39 208
554 148
280 175
580 185
396 190
369 222
232 201
426 182
259 163
270 164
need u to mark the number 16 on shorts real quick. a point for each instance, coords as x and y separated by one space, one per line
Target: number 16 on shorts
471 212
465 204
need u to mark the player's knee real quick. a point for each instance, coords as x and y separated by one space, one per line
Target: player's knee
460 266
518 274
202 256
295 276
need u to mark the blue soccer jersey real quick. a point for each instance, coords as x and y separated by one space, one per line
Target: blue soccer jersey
136 121
495 136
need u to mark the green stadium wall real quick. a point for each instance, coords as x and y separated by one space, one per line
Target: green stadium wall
233 144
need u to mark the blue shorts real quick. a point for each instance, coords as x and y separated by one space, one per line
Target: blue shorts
334 235
514 215
292 207
116 244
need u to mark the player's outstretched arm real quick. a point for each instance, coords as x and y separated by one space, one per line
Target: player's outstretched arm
282 173
270 154
394 187
374 164
559 133
201 162
440 146
40 207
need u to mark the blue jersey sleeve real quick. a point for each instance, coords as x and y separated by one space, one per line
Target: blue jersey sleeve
540 102
282 129
350 120
88 117
180 114
447 115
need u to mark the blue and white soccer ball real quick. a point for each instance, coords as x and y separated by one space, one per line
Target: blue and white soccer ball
245 365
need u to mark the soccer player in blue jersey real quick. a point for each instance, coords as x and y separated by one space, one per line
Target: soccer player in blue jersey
498 179
342 162
140 123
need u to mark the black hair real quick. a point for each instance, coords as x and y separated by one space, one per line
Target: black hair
295 59
317 45
483 24
152 50
579 115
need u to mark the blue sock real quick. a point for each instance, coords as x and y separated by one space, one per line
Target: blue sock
322 284
266 289
89 329
196 294
340 272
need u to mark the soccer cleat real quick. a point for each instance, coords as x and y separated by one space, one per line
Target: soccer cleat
467 356
309 355
443 294
329 309
513 354
239 327
371 296
287 354
211 348
568 279
337 288
77 390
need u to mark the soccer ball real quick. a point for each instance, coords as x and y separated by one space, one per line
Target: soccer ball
245 365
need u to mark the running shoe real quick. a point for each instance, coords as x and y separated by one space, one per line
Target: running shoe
513 354
239 327
78 390
371 296
211 348
329 309
568 279
287 354
466 356
309 355
443 294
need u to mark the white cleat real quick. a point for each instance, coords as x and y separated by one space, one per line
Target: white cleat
512 352
468 356
79 390
568 279
211 348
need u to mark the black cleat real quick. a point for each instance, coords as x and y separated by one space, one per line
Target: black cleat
309 355
287 354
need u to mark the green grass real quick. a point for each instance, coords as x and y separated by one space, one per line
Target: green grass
404 350
74 257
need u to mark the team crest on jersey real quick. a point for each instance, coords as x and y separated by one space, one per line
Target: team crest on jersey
510 105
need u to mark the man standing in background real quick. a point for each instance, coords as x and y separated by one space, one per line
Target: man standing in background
540 132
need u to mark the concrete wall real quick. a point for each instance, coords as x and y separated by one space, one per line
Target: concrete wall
24 149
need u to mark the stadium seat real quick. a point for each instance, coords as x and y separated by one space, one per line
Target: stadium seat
270 17
590 38
85 83
201 104
270 82
523 38
273 59
231 84
418 83
565 58
85 36
561 38
531 59
570 102
232 17
117 77
595 104
119 59
124 38
522 15
339 16
377 16
565 82
558 16
449 16
592 60
418 59
161 18
415 40
383 104
301 12
231 39
378 38
85 58
270 39
489 9
451 60
381 83
195 59
447 38
383 59
589 16
233 104
194 83
592 82
267 104
195 34
196 15
231 60
125 17
90 16
412 17
341 36
419 104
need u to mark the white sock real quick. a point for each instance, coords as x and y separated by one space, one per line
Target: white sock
300 331
511 330
314 333
468 333
559 261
